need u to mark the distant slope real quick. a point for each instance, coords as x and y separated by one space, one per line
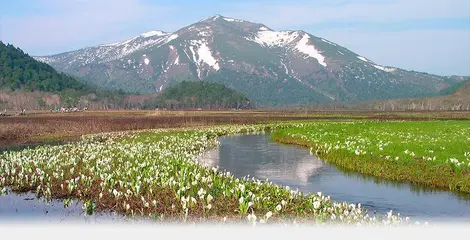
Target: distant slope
198 94
20 71
271 67
459 100
454 88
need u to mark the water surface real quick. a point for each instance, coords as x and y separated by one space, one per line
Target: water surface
258 156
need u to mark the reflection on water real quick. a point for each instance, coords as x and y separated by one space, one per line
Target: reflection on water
301 171
258 156
23 207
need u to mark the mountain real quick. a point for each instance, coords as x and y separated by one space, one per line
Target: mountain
455 98
199 94
272 68
20 71
459 100
26 83
456 87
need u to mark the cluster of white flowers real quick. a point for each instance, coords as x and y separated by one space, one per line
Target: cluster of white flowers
130 167
394 141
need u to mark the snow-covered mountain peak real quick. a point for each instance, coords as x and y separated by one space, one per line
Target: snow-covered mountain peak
153 33
271 66
211 18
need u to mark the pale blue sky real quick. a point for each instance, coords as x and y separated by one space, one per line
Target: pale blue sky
423 35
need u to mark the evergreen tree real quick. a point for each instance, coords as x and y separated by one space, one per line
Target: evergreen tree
19 70
199 94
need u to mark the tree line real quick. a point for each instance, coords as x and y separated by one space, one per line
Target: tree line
199 94
20 71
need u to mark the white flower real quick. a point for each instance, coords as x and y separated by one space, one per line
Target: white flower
316 205
201 192
209 206
251 217
278 207
241 200
242 187
209 198
283 202
269 214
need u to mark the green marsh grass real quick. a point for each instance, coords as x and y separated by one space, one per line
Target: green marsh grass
155 174
431 153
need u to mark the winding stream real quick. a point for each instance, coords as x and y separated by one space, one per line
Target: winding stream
258 156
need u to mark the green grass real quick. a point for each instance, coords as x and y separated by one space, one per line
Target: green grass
156 174
434 153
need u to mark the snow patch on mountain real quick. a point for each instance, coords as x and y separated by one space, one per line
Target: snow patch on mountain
310 50
47 60
285 67
113 51
326 41
263 28
118 43
275 38
204 54
386 69
363 58
191 48
204 33
201 54
153 33
171 38
232 20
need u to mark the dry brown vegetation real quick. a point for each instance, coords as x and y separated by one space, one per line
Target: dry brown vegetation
42 127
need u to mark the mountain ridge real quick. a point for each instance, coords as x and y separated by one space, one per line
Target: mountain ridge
285 62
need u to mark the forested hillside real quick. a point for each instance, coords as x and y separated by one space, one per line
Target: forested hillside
29 84
199 94
20 71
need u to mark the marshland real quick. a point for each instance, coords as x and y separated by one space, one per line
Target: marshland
157 165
